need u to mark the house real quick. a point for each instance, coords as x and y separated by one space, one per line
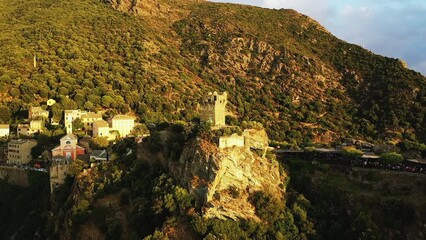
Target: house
68 148
4 130
37 112
122 124
213 108
35 126
19 151
99 155
101 128
89 118
70 116
24 130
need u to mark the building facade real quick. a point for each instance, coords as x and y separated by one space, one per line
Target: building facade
89 118
213 108
122 124
19 151
35 126
4 130
37 112
68 148
70 116
100 128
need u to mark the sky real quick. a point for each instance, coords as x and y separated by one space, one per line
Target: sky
393 28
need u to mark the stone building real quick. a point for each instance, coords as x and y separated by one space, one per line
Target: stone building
19 151
213 108
68 148
89 118
37 112
58 172
234 140
35 126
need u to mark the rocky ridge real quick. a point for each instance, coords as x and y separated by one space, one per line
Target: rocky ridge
222 180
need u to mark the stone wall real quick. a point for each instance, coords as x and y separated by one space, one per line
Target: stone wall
15 176
58 173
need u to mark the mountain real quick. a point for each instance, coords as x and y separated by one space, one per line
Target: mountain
157 58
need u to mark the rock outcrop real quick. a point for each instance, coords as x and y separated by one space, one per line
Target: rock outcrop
223 179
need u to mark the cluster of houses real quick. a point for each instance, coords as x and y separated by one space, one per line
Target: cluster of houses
18 151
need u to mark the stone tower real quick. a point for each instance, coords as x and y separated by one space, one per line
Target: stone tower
213 108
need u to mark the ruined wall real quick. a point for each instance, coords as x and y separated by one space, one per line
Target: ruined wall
231 141
15 176
58 173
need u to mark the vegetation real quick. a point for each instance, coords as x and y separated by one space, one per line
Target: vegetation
362 204
391 158
23 211
312 87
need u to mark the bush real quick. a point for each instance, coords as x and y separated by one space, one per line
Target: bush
391 158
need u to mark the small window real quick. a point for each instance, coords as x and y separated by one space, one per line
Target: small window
68 142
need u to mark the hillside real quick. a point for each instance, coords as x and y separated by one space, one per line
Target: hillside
157 58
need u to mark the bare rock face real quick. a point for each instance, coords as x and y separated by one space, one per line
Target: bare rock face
223 179
151 8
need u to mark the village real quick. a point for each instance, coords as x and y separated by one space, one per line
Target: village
55 158
82 128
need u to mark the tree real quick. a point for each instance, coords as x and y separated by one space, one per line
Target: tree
5 114
391 158
77 124
76 167
99 143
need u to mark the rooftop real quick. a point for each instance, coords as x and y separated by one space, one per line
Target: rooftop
21 141
23 126
123 117
69 136
99 154
4 126
37 109
101 123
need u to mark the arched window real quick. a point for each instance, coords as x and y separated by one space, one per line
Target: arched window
68 142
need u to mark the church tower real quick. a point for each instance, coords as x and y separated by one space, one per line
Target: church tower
213 108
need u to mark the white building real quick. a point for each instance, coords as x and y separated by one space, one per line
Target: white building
100 129
4 130
70 116
122 124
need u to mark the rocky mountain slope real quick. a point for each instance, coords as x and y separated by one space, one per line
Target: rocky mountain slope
159 57
222 180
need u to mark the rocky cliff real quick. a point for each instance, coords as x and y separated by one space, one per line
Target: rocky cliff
222 180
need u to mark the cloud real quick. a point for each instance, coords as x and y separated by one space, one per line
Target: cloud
394 28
